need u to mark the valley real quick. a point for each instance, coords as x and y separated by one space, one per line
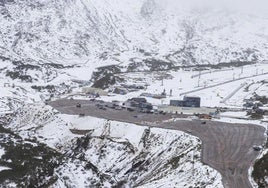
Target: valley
144 93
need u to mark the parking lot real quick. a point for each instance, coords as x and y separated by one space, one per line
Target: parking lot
104 110
227 148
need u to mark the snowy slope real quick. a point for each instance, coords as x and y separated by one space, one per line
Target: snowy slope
50 48
116 153
46 44
116 31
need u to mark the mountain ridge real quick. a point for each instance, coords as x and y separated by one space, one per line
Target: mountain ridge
82 29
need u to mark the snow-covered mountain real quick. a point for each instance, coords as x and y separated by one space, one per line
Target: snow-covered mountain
51 47
116 31
51 42
48 43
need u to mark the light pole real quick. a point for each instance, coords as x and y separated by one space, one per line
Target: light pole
199 76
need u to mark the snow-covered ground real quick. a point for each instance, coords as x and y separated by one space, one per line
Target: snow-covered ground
3 168
52 47
170 158
213 85
2 152
33 119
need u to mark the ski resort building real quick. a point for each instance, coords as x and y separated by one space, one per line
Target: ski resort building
186 102
186 110
140 104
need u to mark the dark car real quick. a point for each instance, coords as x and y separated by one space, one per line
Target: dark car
130 109
257 148
78 105
118 108
102 107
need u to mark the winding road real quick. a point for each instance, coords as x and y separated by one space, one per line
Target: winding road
225 147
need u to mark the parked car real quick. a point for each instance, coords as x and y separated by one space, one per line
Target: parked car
143 110
130 109
118 108
102 107
78 105
257 148
155 112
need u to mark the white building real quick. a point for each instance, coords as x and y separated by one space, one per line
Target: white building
186 110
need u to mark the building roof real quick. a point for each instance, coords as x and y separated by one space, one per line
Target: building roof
192 96
139 99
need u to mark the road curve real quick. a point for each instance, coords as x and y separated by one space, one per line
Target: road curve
225 147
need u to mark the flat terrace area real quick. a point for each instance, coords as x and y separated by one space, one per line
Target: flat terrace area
225 147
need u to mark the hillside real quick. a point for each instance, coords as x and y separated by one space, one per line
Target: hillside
50 49
106 32
112 154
